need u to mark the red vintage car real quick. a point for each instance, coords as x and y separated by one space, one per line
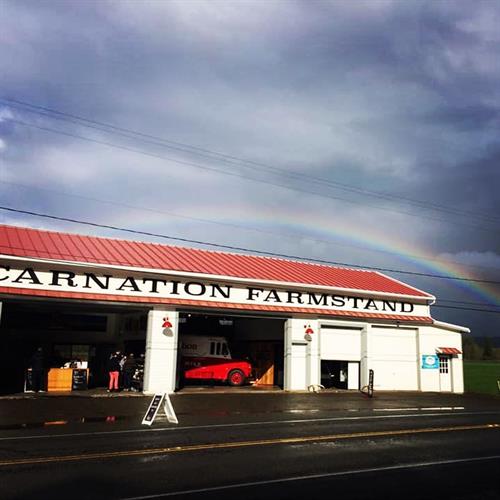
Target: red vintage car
209 358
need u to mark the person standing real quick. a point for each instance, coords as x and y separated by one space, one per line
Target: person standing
37 363
121 359
129 368
113 367
140 372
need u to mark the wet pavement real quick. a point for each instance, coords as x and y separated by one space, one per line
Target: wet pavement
213 405
250 444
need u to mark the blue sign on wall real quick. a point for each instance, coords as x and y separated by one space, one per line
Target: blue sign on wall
430 361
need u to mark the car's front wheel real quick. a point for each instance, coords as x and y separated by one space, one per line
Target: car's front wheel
236 378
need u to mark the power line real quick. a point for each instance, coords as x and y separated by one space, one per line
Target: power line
227 224
242 249
178 146
468 303
468 309
234 174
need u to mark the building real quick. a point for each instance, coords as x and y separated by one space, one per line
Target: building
302 324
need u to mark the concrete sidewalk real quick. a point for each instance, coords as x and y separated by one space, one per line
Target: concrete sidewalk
42 409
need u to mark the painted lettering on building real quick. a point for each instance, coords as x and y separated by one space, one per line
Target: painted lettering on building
168 287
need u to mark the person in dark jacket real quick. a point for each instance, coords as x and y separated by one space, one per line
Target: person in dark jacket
139 373
113 367
37 364
129 368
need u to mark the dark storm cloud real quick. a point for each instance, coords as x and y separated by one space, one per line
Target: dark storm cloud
400 97
466 118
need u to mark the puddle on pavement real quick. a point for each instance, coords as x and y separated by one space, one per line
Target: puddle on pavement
111 419
108 419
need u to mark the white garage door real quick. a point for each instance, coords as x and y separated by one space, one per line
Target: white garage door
393 353
342 344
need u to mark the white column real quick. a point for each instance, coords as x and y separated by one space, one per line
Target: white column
161 352
313 354
457 374
302 366
457 367
366 356
419 360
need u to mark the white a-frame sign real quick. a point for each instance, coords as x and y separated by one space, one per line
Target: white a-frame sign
154 407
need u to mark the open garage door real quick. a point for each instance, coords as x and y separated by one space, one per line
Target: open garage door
340 349
68 333
394 358
214 347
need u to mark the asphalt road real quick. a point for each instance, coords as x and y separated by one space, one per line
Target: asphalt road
310 451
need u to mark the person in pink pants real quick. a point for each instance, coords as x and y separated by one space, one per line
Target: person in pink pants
113 372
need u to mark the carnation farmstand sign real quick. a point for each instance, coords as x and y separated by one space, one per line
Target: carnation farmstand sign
166 287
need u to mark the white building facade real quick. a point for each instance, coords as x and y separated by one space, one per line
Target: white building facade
326 326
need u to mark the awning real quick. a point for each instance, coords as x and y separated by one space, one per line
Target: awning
448 350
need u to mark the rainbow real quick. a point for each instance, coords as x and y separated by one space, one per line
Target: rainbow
335 232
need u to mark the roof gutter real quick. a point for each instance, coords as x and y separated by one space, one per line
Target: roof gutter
451 326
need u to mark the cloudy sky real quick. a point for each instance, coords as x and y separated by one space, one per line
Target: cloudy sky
360 132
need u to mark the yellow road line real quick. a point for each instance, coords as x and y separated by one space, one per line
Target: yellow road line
240 444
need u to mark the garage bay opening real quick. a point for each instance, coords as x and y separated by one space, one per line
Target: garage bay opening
230 350
75 341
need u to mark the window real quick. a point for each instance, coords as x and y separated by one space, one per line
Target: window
443 364
218 349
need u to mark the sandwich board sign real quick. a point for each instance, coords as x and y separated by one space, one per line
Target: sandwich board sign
169 410
155 406
370 383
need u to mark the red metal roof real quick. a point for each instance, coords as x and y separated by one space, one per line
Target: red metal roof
34 243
